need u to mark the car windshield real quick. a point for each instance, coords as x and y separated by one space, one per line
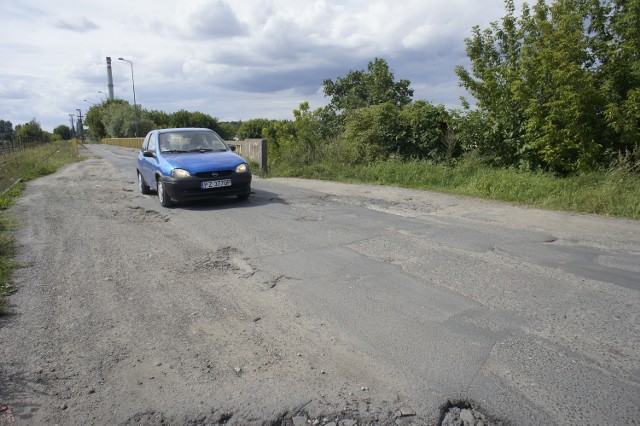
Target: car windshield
190 141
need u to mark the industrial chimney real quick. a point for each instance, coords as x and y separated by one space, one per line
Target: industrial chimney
110 77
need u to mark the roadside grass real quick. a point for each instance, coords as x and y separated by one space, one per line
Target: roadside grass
15 170
615 192
7 264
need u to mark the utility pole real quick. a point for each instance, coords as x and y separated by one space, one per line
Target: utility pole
73 128
80 125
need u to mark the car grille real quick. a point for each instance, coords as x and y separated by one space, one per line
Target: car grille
218 174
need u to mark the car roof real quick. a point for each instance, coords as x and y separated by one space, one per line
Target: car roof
184 129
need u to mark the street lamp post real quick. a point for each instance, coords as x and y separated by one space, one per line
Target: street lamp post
135 106
90 103
104 93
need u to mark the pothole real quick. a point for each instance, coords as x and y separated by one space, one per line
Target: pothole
139 214
464 413
220 261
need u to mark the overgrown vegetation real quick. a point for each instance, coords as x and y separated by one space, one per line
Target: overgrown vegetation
15 170
558 87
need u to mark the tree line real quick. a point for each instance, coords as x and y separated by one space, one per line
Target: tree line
32 131
116 118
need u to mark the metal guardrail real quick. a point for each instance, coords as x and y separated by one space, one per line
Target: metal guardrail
124 142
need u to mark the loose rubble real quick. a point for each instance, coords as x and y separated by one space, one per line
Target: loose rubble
463 413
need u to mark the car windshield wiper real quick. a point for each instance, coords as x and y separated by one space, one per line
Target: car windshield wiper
201 150
173 151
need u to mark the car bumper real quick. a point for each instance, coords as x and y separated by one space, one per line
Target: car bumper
190 189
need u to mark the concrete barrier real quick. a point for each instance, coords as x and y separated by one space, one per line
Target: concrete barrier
252 150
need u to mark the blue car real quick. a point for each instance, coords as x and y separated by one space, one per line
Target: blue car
191 164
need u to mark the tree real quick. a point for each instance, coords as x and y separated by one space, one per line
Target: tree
556 87
563 109
281 140
425 128
63 131
120 122
95 119
252 128
184 118
307 127
117 120
373 133
30 130
359 89
145 124
228 130
161 119
6 128
415 131
493 81
615 26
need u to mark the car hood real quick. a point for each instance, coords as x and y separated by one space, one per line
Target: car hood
196 162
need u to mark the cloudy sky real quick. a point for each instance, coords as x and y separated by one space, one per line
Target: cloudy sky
232 59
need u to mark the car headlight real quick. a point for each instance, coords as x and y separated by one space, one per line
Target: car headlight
242 168
180 174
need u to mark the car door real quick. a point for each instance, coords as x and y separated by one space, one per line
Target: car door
148 165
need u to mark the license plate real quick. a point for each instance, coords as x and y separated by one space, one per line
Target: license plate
215 183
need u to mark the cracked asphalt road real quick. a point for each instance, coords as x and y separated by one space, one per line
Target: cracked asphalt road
314 299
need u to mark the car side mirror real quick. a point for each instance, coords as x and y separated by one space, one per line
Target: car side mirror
150 154
233 148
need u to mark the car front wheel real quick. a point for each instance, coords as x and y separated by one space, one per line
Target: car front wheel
142 186
165 201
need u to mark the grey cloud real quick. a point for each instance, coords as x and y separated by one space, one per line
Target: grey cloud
304 81
80 25
213 20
